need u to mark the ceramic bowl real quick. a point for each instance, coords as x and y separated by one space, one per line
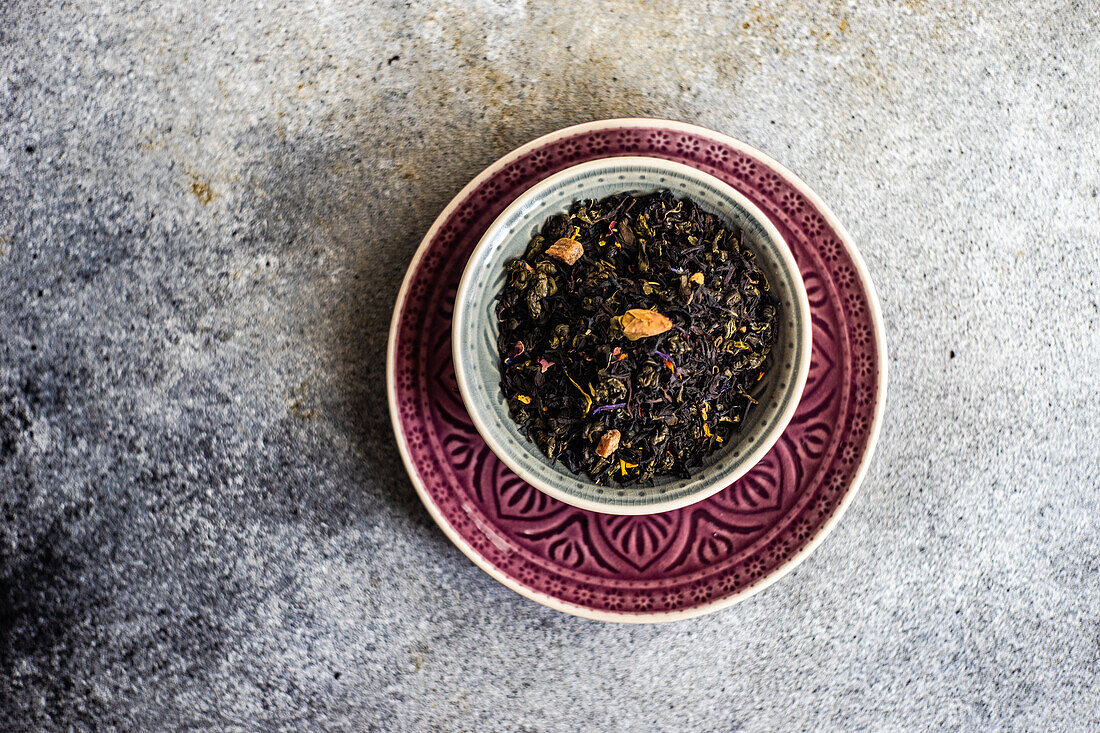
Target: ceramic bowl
475 329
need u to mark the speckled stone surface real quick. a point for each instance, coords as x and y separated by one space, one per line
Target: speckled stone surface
205 212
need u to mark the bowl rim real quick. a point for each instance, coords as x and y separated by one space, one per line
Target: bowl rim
744 464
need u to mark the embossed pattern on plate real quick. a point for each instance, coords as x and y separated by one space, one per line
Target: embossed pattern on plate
659 566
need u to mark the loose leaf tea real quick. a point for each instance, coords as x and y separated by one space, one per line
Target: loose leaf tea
633 332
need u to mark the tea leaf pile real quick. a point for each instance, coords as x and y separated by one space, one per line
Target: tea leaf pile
660 330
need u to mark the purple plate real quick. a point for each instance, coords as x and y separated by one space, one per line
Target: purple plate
655 567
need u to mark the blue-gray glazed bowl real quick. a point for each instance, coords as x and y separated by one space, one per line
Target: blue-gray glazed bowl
475 329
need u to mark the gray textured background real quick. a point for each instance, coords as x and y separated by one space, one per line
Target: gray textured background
205 212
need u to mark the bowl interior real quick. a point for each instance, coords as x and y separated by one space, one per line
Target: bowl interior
477 362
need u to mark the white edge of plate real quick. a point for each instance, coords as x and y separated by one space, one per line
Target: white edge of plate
876 423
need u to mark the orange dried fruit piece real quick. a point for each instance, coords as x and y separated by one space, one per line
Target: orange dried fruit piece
609 443
566 250
639 324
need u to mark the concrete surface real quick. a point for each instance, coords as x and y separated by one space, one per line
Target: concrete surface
205 212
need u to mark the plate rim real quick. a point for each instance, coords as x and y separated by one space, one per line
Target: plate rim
874 430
